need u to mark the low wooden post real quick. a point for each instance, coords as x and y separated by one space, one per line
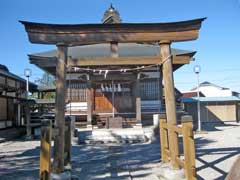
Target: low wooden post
28 119
68 144
188 148
45 150
163 138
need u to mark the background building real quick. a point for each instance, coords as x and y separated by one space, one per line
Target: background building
217 104
13 97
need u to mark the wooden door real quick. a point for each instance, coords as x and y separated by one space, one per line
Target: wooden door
123 100
103 102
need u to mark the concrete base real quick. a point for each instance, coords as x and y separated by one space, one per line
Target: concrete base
62 176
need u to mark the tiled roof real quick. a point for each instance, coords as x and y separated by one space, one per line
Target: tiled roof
103 50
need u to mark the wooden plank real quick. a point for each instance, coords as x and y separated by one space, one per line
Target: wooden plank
60 109
163 140
68 142
188 148
45 150
170 102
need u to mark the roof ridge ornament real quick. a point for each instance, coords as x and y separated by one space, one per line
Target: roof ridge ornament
111 16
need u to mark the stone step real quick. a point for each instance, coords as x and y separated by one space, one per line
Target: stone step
128 135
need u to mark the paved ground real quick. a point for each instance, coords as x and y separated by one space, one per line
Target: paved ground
216 152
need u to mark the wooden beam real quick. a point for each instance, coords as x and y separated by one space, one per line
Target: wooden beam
60 109
126 61
103 33
170 100
109 61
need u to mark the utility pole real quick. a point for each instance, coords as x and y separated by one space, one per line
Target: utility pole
197 70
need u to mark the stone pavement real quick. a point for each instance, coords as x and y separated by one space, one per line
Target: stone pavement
136 161
216 152
20 160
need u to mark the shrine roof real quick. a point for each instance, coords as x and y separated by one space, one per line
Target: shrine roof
103 50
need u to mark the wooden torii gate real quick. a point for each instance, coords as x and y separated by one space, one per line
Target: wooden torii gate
64 36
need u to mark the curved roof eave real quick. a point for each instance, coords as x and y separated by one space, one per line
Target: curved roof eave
77 34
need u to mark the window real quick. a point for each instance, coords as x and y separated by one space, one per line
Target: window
150 89
76 92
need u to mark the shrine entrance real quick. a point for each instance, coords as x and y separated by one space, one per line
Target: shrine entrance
113 97
66 36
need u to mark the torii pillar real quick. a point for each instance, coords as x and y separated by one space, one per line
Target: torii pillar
165 51
58 163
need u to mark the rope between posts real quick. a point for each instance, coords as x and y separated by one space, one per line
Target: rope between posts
106 71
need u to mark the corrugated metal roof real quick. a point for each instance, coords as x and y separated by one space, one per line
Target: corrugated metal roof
103 50
211 99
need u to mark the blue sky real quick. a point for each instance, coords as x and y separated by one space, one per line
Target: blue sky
217 47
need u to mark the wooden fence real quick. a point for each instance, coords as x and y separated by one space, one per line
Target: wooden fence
45 147
186 130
